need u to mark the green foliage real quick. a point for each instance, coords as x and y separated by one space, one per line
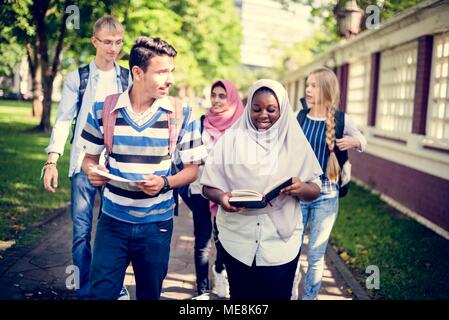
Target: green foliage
412 259
206 34
11 56
23 200
301 53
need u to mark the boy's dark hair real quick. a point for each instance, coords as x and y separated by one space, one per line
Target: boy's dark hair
146 48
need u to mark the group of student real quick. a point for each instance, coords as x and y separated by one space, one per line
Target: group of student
232 147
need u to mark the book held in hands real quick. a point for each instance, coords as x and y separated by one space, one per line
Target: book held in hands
252 199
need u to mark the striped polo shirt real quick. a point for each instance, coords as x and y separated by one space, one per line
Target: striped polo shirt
315 132
139 150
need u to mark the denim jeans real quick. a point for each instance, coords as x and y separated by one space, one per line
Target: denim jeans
202 230
82 205
146 246
322 213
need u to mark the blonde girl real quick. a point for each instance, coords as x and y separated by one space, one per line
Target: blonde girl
331 134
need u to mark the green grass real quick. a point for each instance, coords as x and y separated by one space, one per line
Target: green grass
413 261
23 199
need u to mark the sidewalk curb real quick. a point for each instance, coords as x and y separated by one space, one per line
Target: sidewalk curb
48 219
14 254
347 275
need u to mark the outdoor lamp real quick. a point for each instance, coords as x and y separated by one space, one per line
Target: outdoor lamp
349 18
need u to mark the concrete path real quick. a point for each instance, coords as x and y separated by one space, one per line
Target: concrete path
39 271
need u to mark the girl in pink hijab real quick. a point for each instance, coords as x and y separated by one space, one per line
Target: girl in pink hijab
226 108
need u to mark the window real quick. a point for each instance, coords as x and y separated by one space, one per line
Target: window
438 111
358 91
397 88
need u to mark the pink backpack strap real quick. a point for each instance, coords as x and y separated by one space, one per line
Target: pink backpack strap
109 120
175 120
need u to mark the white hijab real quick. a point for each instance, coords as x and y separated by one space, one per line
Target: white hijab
248 158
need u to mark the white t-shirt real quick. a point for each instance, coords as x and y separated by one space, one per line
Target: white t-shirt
106 85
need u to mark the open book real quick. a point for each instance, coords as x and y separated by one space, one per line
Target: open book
113 176
253 199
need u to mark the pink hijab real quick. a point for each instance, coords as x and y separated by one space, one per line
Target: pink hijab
217 123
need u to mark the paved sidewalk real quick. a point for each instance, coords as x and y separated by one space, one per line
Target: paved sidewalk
38 272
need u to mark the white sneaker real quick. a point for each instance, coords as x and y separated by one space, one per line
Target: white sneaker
124 294
221 285
204 296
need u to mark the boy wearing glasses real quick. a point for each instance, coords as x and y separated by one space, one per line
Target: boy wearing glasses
82 87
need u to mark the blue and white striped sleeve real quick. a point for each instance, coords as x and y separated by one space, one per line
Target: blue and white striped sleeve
190 145
91 140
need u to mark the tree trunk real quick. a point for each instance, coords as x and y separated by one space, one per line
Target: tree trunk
47 83
36 75
49 71
37 92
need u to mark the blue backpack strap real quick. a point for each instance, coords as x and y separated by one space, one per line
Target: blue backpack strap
83 73
339 124
304 103
342 156
302 116
84 78
202 123
124 76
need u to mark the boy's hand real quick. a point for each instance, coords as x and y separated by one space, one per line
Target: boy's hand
152 186
94 178
51 178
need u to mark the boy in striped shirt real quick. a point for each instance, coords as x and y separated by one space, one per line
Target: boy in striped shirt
136 222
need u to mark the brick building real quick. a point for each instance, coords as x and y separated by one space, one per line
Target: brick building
395 84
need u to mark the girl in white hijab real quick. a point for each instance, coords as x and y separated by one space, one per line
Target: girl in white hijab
264 146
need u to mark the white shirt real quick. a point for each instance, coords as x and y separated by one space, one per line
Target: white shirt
67 109
106 84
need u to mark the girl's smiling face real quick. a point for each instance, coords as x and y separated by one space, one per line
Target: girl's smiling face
265 110
218 99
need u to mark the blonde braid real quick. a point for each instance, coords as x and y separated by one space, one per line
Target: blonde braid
333 168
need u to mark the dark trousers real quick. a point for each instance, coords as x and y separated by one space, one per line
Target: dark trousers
259 282
202 230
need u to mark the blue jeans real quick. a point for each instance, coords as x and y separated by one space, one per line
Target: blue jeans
322 212
82 205
202 230
146 246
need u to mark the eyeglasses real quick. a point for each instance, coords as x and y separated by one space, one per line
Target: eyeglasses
109 43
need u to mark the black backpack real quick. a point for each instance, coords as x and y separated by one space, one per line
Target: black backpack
342 156
84 79
184 190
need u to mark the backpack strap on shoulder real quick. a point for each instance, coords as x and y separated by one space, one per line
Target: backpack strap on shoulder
175 120
202 118
109 118
302 116
339 124
83 73
304 103
124 76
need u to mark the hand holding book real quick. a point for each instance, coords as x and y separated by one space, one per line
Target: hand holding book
295 189
224 202
253 199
